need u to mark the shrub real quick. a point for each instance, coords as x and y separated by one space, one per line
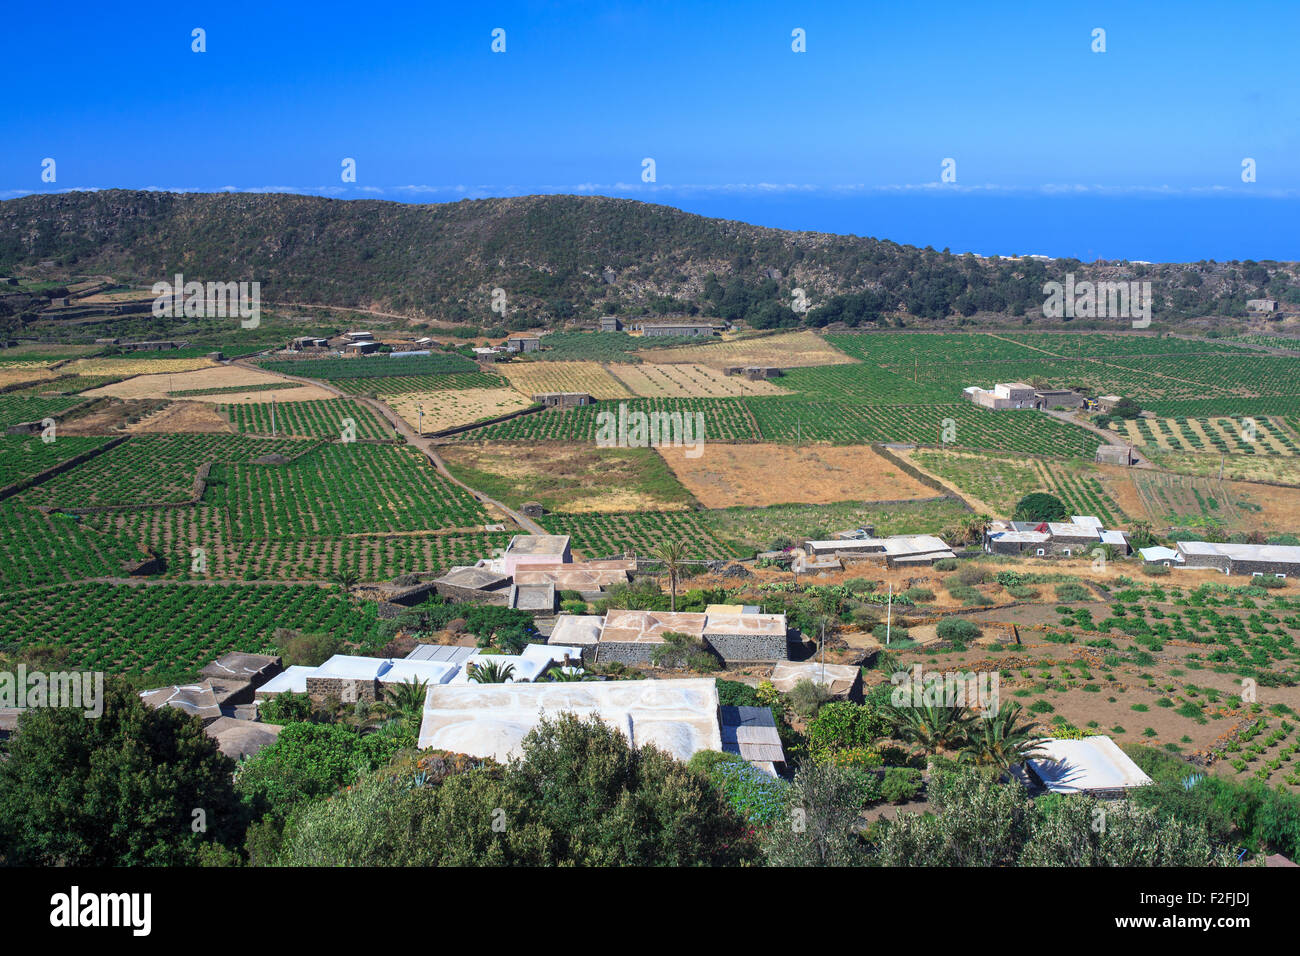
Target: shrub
735 694
946 564
919 595
1040 506
957 629
807 698
845 726
1072 591
901 784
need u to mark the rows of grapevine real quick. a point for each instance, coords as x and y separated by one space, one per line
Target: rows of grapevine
151 468
602 535
37 549
374 366
341 489
15 408
1083 495
842 423
174 533
725 419
22 456
172 628
322 419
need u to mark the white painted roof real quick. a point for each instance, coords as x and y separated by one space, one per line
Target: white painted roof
491 720
1088 520
291 679
1159 554
576 629
1283 553
1080 766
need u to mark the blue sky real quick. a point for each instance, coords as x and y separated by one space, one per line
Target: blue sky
847 137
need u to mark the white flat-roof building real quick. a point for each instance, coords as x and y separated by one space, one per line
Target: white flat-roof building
679 717
1094 765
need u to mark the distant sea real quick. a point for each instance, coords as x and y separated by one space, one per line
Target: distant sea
1155 229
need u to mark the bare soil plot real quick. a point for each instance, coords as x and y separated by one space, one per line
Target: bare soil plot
453 407
758 475
785 350
573 478
188 417
214 376
534 378
111 418
135 366
689 381
23 372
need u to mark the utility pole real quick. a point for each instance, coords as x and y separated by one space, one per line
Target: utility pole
420 410
273 414
823 650
889 614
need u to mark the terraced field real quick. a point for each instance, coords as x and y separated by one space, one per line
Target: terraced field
1231 436
606 535
534 378
690 381
324 419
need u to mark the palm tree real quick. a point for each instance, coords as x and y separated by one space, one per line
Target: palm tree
560 674
672 555
407 698
932 727
492 672
346 578
1003 740
973 528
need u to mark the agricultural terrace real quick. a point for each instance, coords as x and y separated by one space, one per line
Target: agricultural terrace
172 630
597 536
372 366
38 550
724 420
592 347
569 477
323 419
68 385
1156 663
783 350
701 381
173 533
759 529
341 489
1189 501
760 475
453 408
534 378
138 365
226 384
15 408
25 456
14 373
994 485
845 423
148 469
1219 436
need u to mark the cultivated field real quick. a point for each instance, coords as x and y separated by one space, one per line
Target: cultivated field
455 407
685 380
1230 436
182 417
214 377
574 478
22 372
324 419
533 378
784 350
726 476
137 366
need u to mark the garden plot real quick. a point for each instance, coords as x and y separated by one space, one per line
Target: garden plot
783 350
569 477
323 419
342 489
727 476
455 407
534 378
689 381
216 377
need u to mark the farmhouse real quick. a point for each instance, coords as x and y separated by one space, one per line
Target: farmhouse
679 717
895 551
535 549
563 399
1019 395
360 348
524 343
1074 538
841 680
1094 766
1257 560
1106 403
1261 305
611 323
1116 455
685 328
631 637
308 342
348 679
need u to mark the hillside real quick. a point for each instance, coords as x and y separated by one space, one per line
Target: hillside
562 258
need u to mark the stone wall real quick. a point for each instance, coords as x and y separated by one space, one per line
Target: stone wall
744 648
347 690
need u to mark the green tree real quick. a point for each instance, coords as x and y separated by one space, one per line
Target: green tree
820 827
933 727
1040 506
118 790
492 672
672 555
